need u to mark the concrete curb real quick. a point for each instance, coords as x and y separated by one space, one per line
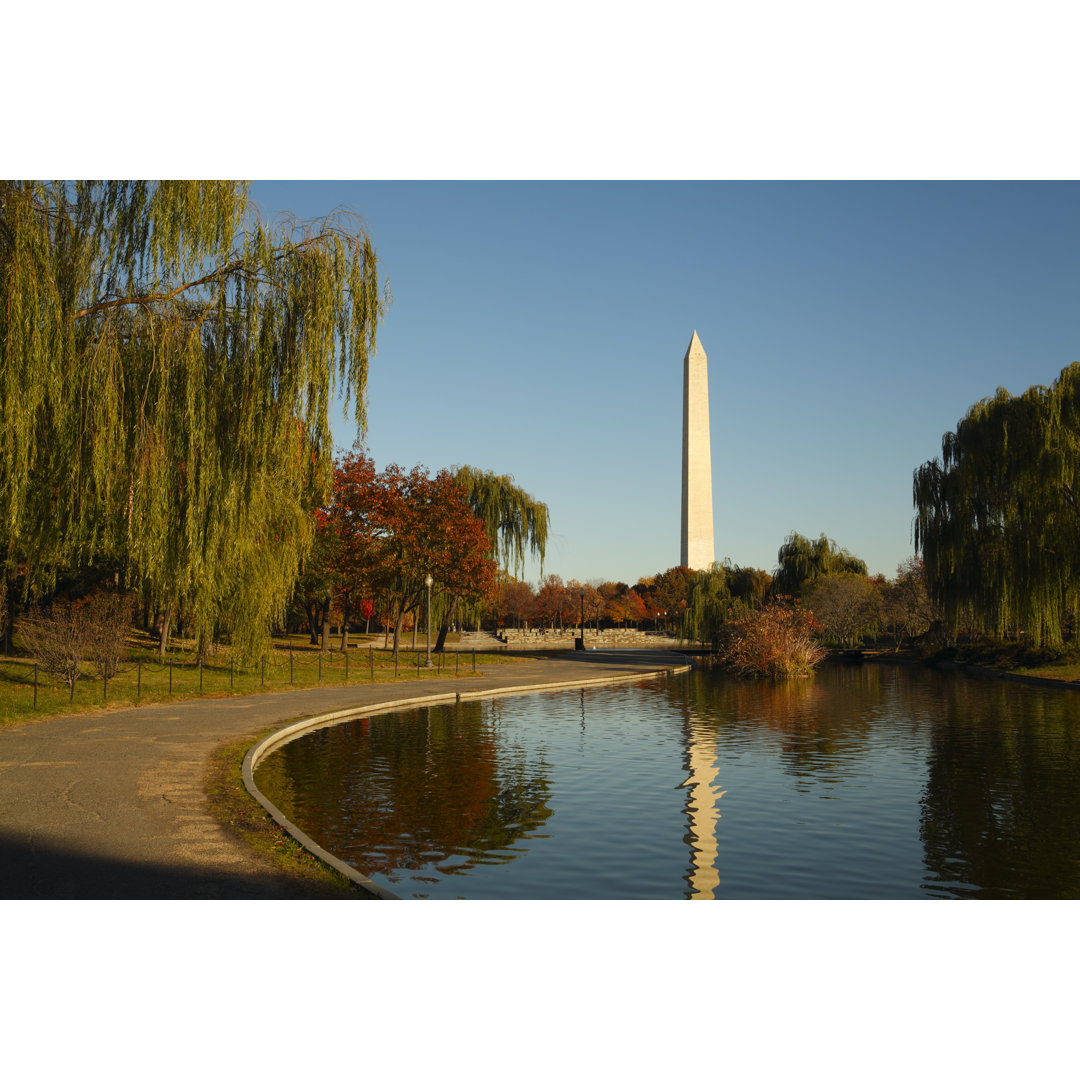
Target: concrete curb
302 727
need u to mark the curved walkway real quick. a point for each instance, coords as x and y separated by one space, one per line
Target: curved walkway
111 805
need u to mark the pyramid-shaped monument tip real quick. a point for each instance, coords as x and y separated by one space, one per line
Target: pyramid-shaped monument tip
695 347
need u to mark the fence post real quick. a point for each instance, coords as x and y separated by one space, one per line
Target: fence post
320 665
395 664
418 665
200 674
371 661
290 663
138 684
346 665
474 661
35 686
230 672
170 674
264 671
105 686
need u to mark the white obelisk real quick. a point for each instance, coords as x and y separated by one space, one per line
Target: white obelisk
697 519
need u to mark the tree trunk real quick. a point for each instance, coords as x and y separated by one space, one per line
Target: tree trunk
445 628
325 645
166 623
345 624
312 609
397 628
7 610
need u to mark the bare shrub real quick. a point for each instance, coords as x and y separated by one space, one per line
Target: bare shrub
57 641
70 634
845 606
107 619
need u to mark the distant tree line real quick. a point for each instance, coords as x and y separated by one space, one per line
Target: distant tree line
822 590
832 586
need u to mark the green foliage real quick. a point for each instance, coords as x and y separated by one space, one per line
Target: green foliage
997 517
514 521
167 360
803 560
715 596
708 605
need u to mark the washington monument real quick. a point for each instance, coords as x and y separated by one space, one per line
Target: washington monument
697 524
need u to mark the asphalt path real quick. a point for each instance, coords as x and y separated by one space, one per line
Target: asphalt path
111 805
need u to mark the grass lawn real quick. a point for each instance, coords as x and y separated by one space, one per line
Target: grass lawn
293 663
1060 662
1063 670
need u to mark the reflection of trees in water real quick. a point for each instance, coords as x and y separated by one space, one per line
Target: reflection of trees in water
815 725
1000 814
409 790
1001 811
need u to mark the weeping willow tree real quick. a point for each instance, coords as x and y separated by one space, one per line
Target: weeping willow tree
802 560
997 516
708 605
515 523
167 360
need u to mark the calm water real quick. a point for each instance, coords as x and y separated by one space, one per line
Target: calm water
880 781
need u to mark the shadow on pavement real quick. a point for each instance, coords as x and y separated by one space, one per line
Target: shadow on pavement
47 872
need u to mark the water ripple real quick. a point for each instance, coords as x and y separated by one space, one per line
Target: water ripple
874 782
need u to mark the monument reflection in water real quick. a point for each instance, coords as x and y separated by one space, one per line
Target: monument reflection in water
878 782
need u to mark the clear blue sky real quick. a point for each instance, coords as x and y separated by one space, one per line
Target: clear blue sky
538 329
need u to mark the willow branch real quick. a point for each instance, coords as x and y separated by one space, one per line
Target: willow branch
238 267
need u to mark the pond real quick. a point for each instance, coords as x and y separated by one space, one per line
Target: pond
874 782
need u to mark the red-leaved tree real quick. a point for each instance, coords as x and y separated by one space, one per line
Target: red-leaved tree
394 528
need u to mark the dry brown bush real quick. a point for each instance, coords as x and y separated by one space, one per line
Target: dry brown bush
56 639
72 633
107 619
778 641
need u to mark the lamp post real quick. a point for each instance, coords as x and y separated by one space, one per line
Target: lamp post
427 582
